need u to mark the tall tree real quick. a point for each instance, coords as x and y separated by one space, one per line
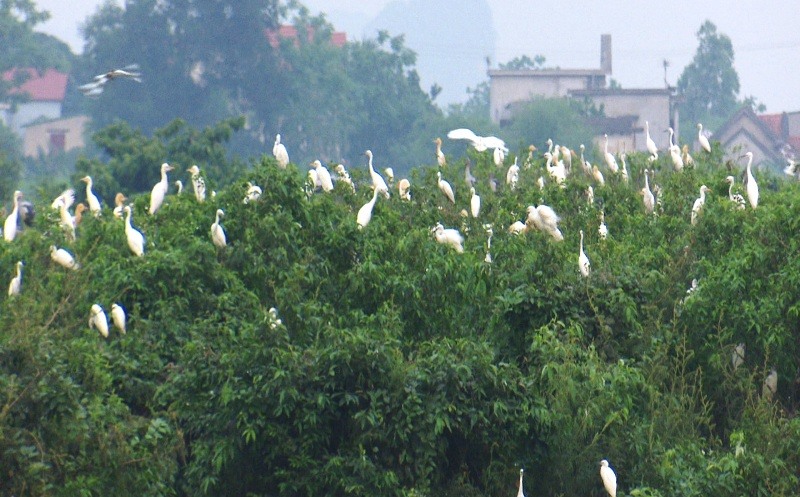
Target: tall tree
710 84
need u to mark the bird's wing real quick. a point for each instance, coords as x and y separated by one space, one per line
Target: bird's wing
462 134
495 142
548 215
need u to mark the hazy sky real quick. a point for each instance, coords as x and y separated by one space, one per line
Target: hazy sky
765 35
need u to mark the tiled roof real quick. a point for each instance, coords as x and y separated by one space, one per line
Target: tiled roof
773 122
338 38
50 86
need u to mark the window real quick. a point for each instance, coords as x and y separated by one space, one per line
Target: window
57 141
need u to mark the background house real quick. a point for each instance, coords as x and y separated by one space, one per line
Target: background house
772 138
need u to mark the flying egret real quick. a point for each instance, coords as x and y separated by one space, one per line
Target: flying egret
520 493
98 319
323 176
217 233
280 153
649 199
544 218
737 357
118 317
344 176
449 236
91 198
160 189
97 85
377 180
63 258
16 282
697 208
119 202
611 162
480 143
134 237
10 226
602 230
365 212
474 203
178 186
770 386
751 187
734 197
198 183
404 188
583 261
440 158
445 187
651 145
609 478
704 144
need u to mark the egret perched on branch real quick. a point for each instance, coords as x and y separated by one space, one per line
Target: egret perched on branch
474 203
557 172
498 156
611 162
624 169
280 153
697 208
63 258
118 317
404 189
178 186
704 144
198 183
389 172
791 168
649 198
440 158
517 227
365 212
529 159
252 194
651 145
323 176
734 197
98 319
480 143
377 180
16 282
134 237
10 226
737 357
274 320
587 167
344 176
598 175
590 195
520 492
583 261
445 187
602 230
119 202
544 218
489 231
67 197
751 187
79 210
770 387
91 198
512 175
67 221
468 177
449 236
609 478
160 189
675 152
217 233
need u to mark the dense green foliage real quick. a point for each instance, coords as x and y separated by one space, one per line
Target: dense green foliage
401 367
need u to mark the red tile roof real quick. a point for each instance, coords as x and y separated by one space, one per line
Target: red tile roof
338 38
50 86
773 122
794 141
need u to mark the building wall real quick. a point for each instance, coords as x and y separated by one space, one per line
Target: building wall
746 136
37 138
30 111
653 108
511 88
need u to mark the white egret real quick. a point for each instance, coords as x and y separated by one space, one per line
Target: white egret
480 143
791 168
675 152
119 202
529 159
67 221
449 236
344 176
697 208
583 261
602 230
16 282
323 176
474 203
98 319
587 167
404 188
440 158
133 236
737 357
567 153
598 176
217 232
10 226
549 143
445 187
274 320
520 492
590 195
651 145
179 186
312 182
517 227
609 478
751 187
63 258
198 183
649 199
624 169
91 198
377 180
734 197
280 153
160 189
389 172
118 317
252 194
704 143
770 386
540 182
686 156
557 172
490 232
512 175
544 218
611 162
67 198
498 156
365 212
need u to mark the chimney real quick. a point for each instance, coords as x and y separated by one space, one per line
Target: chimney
605 53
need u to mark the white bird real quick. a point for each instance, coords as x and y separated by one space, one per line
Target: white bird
697 208
63 258
770 386
480 143
97 85
160 189
583 261
544 218
118 317
91 198
611 162
529 159
449 236
445 187
389 172
791 168
365 212
377 180
624 169
312 182
133 236
567 153
440 158
557 172
517 227
540 182
344 176
498 156
198 183
16 282
704 144
323 176
512 175
675 152
98 319
598 176
252 194
274 320
751 187
520 493
217 233
10 226
734 197
609 478
474 203
587 167
67 221
119 202
280 153
651 145
649 199
404 188
602 229
737 357
67 197
490 232
179 186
